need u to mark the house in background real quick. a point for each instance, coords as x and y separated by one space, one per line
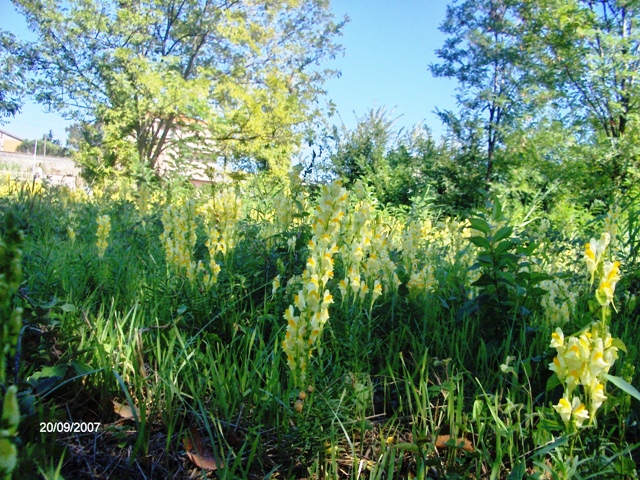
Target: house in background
8 141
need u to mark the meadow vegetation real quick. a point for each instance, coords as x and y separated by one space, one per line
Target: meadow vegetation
271 328
357 303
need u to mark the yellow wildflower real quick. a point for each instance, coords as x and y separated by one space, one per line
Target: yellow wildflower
610 277
275 285
575 410
597 397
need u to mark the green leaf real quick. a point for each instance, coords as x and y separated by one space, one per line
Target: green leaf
81 368
506 277
623 385
46 372
552 383
182 309
504 247
68 307
486 259
480 225
480 242
10 410
551 446
502 233
619 344
518 472
8 456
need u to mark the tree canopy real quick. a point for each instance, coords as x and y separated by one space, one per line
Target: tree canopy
11 76
236 79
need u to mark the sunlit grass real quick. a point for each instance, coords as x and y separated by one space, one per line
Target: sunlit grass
430 376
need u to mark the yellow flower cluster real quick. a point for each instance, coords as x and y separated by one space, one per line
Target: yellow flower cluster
143 199
313 299
365 257
104 227
559 301
287 209
179 238
415 245
221 215
585 358
582 360
421 281
594 254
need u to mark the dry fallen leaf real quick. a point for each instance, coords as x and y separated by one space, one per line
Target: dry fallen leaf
442 440
202 457
124 411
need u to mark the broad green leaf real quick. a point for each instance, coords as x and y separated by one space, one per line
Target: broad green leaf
50 305
619 344
480 225
502 233
506 277
552 383
518 472
45 372
8 456
81 368
504 247
486 259
480 242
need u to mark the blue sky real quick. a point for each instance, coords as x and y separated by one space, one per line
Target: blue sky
388 48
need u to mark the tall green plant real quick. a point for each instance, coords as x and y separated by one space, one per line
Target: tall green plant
10 277
508 288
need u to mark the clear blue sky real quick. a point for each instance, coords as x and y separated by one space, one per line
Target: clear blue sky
388 48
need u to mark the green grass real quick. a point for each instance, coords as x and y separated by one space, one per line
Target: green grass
410 387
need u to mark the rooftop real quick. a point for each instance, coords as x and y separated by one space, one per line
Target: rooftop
4 132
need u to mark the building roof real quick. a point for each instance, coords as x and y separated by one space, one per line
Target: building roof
4 132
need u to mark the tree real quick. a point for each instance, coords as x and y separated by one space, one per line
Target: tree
481 54
361 152
585 54
11 76
237 78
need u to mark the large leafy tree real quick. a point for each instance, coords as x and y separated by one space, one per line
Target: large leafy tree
232 79
585 56
481 53
11 75
586 52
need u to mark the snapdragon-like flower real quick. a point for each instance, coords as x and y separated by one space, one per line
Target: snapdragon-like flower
585 359
574 410
594 251
275 285
313 299
610 277
557 340
104 227
597 397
